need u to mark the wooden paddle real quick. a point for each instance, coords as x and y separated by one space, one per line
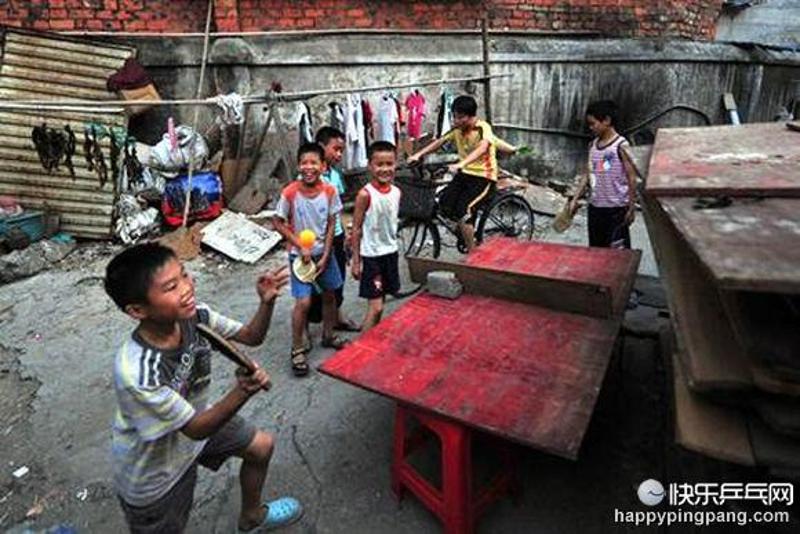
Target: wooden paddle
228 350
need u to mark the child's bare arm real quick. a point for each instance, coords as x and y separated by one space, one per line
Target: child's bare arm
208 422
282 227
326 254
268 286
362 202
432 147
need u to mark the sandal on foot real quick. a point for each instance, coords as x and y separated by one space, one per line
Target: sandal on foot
279 513
334 342
299 361
347 326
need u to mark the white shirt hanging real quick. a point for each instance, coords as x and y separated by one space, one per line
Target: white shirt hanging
355 154
386 122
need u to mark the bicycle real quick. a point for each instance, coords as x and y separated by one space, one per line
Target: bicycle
503 213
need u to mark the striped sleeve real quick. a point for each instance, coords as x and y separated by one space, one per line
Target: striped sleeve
154 410
220 324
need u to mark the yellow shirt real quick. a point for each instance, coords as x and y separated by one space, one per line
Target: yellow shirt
486 165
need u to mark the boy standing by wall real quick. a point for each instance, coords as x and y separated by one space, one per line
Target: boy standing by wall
375 222
476 174
311 204
611 179
164 425
332 142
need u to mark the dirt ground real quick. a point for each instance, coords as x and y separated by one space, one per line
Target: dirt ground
58 334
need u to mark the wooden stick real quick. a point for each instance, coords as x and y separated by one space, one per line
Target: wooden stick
487 82
188 197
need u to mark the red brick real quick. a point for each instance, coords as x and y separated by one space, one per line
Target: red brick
682 18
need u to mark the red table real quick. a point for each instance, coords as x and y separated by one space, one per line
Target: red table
518 371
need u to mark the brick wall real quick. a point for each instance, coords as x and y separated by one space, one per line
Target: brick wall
642 18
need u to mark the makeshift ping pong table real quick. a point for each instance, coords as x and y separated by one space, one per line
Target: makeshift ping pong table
521 355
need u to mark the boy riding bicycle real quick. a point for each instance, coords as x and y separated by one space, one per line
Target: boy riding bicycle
475 175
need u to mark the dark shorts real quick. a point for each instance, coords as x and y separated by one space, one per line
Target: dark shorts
607 227
462 196
379 276
170 513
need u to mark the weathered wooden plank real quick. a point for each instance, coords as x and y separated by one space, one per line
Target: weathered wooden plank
701 426
56 65
21 89
38 75
748 160
752 244
118 52
560 295
714 358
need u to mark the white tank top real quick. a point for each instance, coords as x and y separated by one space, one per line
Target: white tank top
379 231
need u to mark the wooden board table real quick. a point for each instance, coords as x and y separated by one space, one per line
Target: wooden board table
522 372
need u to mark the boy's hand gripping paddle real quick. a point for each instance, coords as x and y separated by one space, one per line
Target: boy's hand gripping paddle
228 350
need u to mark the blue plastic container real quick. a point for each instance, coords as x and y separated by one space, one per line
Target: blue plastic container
30 222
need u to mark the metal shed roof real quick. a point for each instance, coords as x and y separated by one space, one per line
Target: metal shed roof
45 66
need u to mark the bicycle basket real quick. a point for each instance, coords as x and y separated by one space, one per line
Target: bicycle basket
418 200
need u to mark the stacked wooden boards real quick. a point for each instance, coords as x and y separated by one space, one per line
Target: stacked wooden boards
721 205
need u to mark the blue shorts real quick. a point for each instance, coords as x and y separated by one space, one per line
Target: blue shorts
329 280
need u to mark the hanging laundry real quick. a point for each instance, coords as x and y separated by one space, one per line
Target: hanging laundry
304 124
355 150
416 107
387 121
366 112
231 109
336 116
400 118
444 120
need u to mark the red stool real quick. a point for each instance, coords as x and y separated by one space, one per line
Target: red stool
455 504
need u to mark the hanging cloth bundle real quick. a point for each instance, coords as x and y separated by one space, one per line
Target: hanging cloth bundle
93 133
54 147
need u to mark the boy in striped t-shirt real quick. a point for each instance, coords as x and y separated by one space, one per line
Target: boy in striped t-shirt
164 425
611 179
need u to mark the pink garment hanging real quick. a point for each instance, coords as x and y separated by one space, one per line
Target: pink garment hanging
415 104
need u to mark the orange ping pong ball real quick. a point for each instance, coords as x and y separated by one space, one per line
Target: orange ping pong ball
307 238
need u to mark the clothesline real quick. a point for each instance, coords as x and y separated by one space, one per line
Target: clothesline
114 106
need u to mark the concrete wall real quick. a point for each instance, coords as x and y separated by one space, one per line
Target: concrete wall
769 22
677 18
553 80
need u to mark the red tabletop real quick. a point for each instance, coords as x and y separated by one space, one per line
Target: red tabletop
523 372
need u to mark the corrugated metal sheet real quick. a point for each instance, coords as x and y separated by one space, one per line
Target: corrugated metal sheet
46 66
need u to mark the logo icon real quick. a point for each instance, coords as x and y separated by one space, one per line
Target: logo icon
651 492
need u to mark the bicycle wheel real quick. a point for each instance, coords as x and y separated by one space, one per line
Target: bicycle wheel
415 238
507 215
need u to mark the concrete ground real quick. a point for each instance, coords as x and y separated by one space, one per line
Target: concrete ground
59 332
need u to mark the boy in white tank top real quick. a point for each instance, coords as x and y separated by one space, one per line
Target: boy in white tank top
375 221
